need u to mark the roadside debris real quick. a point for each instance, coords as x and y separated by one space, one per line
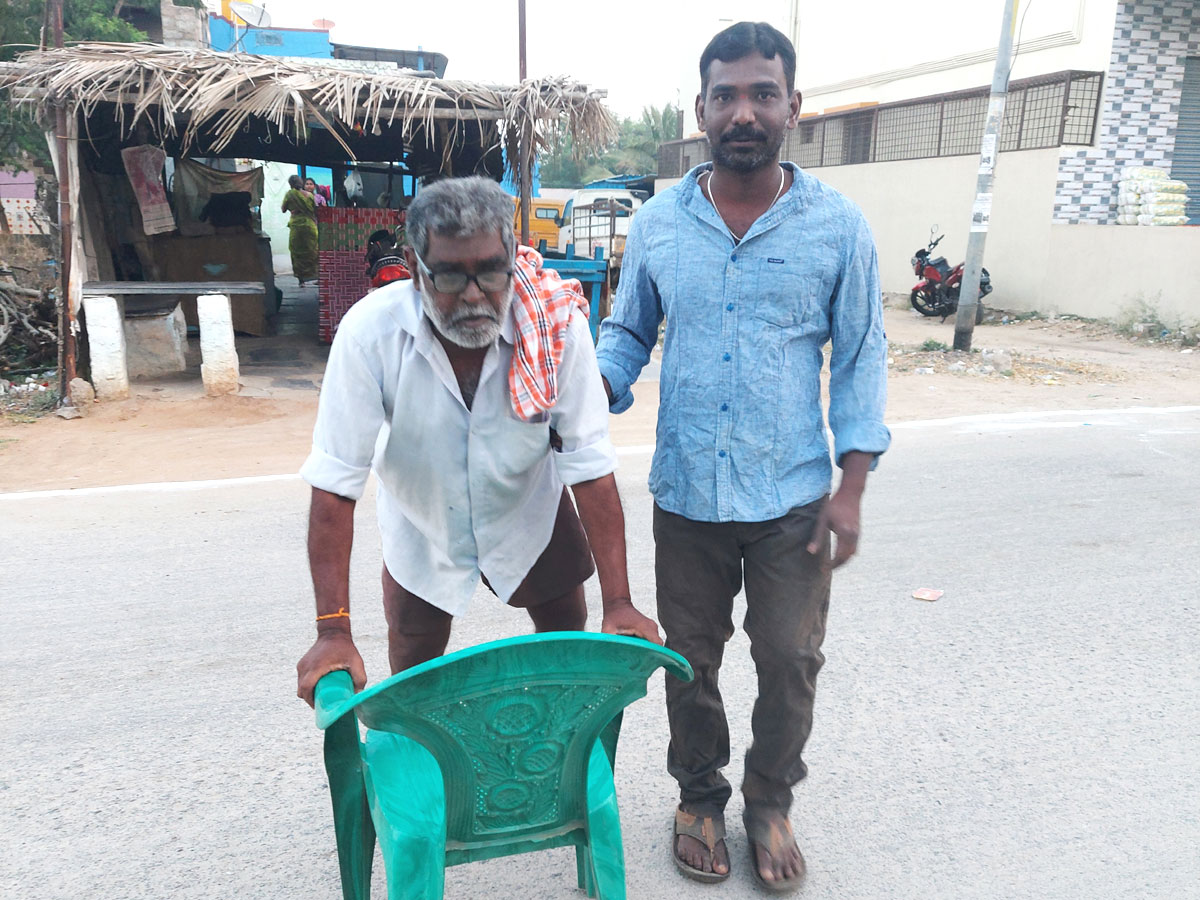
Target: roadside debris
927 594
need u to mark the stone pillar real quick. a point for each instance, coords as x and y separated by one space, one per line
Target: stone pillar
106 341
219 361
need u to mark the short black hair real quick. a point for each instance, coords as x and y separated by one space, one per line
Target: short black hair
740 40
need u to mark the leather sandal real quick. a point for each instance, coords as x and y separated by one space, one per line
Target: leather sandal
775 836
708 830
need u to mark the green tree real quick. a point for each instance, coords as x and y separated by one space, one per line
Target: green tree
635 152
21 25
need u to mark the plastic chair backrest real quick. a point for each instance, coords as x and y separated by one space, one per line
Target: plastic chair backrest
512 725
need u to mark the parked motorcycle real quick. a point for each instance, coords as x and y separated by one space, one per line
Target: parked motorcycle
936 294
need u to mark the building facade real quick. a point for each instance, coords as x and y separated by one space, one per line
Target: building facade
1102 87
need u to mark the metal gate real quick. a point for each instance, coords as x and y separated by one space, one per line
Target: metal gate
1185 162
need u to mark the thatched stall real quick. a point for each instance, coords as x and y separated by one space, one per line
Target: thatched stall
203 104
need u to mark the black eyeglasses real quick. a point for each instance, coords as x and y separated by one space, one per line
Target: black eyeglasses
456 282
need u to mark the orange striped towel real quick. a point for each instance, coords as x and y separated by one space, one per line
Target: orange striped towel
542 305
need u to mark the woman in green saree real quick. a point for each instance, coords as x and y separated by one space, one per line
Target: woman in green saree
302 230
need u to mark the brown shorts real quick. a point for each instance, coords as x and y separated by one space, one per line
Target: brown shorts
565 564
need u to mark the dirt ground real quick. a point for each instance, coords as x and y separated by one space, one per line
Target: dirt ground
169 432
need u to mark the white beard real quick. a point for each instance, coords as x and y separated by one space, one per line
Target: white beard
471 338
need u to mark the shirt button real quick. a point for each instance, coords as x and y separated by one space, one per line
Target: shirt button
721 453
730 307
727 357
724 407
733 258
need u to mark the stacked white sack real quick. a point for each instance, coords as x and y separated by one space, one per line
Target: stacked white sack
1148 196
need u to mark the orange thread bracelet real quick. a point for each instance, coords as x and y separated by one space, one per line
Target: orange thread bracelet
340 614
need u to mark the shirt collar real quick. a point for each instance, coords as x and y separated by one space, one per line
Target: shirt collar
697 201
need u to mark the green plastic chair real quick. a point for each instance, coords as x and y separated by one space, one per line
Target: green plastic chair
494 750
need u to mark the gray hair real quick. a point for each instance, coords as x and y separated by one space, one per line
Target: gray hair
460 207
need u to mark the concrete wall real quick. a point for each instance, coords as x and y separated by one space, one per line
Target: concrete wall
902 200
184 26
304 42
1111 272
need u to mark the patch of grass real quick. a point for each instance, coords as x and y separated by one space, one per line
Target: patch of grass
1143 319
931 345
23 409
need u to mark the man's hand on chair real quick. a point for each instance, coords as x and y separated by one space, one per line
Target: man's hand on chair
623 618
333 651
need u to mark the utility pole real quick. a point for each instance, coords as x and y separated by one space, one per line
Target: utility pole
525 161
981 210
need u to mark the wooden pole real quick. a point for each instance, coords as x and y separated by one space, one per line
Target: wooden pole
521 35
66 321
525 160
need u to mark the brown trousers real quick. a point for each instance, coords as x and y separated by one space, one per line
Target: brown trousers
699 568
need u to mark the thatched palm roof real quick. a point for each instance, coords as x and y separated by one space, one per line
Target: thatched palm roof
181 92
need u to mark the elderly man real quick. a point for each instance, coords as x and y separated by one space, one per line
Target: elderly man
755 266
473 391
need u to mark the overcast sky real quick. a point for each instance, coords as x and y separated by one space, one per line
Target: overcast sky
641 52
646 51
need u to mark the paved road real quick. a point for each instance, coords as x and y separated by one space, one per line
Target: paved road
1032 734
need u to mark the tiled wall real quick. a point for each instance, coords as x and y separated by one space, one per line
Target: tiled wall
342 276
1140 108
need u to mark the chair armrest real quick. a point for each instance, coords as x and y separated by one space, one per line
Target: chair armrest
332 697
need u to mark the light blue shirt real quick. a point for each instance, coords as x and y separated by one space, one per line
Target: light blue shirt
741 436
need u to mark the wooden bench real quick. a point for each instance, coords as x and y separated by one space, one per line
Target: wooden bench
106 330
155 298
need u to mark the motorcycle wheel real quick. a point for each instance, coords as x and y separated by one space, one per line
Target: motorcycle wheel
926 303
978 306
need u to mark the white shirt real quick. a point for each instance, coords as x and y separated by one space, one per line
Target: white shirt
460 491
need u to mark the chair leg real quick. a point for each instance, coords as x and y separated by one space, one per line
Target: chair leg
351 814
604 829
583 870
409 808
415 865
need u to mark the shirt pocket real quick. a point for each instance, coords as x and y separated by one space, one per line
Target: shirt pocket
518 446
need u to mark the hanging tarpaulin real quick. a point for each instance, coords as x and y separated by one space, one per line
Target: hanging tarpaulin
144 166
196 185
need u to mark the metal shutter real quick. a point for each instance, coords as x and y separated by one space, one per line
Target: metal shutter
1185 163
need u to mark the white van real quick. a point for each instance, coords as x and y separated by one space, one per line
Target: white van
597 217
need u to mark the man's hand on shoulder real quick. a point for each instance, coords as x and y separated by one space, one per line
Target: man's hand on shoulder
625 619
333 651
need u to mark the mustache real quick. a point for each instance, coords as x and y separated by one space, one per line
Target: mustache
743 134
473 314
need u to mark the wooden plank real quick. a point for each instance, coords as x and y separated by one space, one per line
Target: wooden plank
149 288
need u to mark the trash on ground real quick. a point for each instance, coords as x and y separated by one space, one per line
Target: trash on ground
927 594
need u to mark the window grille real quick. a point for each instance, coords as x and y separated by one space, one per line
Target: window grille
1083 110
908 132
1047 111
